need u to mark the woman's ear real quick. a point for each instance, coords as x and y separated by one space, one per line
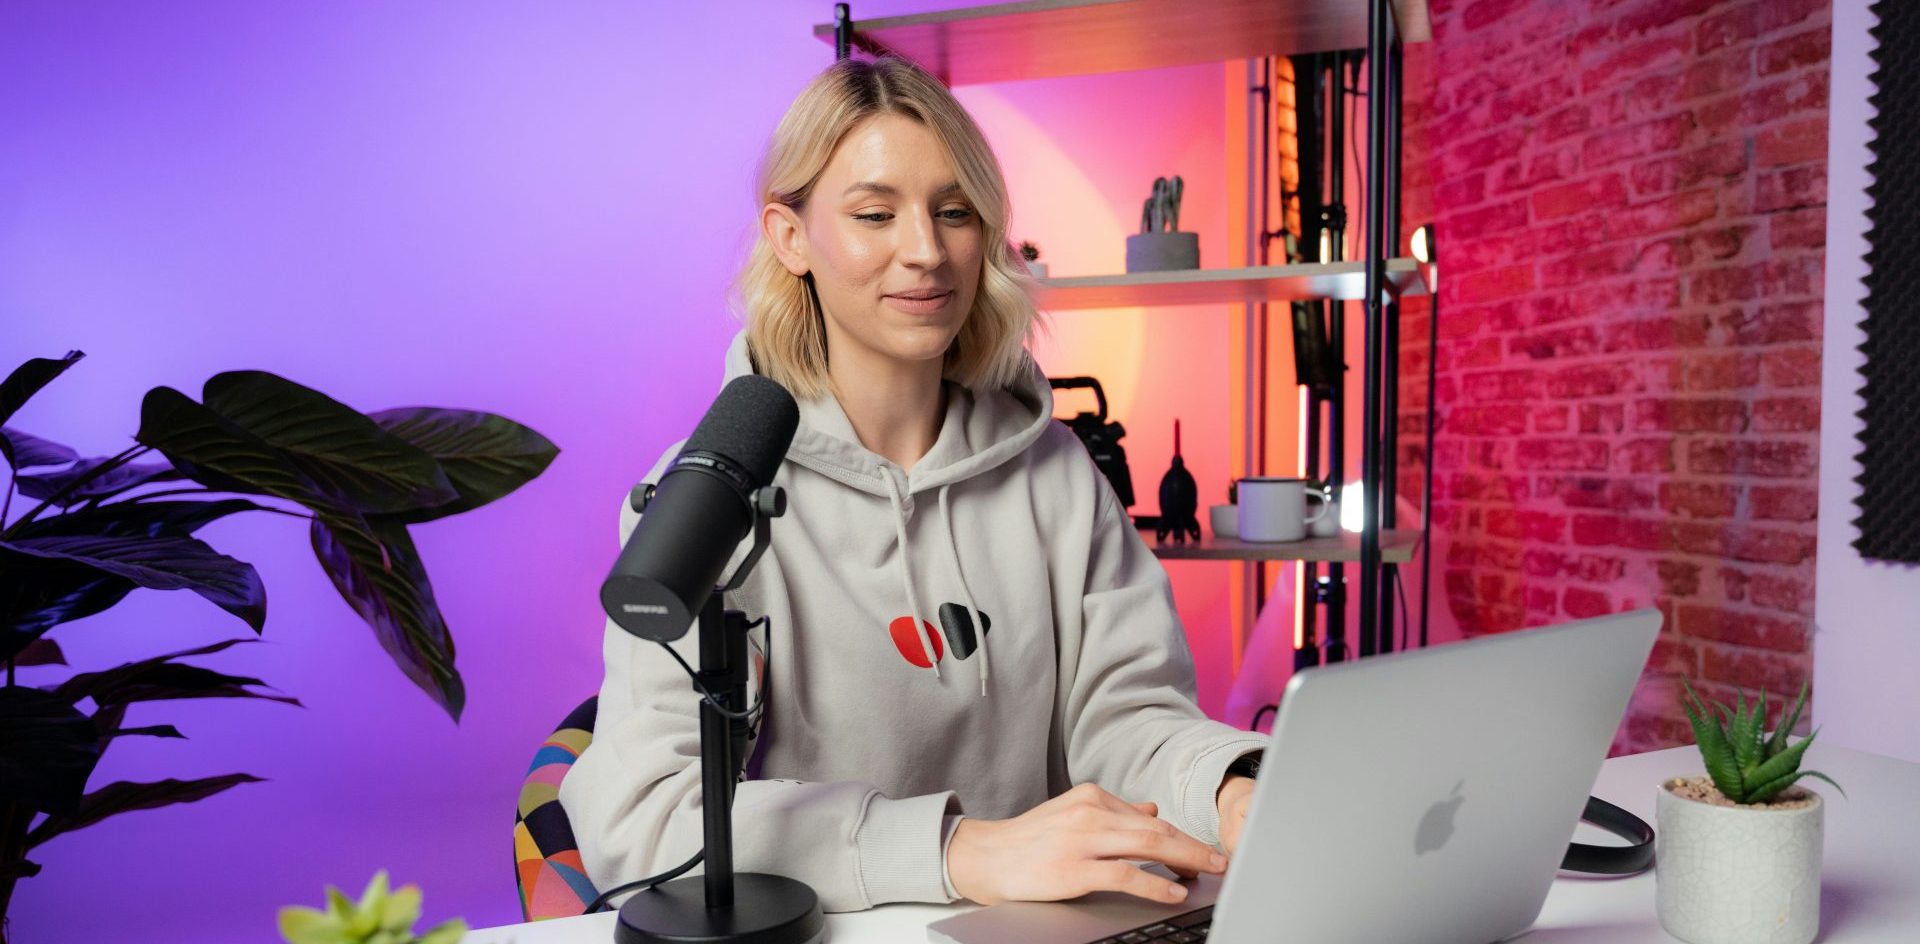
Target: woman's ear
786 236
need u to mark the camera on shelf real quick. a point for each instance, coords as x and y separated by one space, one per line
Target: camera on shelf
1100 436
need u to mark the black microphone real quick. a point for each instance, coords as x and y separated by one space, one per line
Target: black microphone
700 510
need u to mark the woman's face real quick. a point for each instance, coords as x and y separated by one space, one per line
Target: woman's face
885 220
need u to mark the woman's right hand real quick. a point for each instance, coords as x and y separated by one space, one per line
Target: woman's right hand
1071 845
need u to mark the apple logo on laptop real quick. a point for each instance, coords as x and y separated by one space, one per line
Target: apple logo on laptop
1437 826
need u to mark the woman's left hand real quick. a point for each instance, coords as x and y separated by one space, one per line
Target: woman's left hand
1233 798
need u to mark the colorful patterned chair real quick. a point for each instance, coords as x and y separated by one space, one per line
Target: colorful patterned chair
552 881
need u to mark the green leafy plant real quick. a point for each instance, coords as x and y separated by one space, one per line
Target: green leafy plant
105 526
1744 764
1029 251
379 917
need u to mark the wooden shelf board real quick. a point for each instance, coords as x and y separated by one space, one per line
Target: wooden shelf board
1396 547
1337 281
1035 39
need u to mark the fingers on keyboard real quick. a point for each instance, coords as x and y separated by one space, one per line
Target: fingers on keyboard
1185 929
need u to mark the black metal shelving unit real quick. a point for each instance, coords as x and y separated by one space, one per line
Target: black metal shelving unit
1333 39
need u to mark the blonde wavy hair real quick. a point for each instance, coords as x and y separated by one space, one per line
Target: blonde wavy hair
786 333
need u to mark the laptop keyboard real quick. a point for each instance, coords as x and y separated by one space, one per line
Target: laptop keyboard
1183 929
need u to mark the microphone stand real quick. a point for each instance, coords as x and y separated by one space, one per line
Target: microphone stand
768 909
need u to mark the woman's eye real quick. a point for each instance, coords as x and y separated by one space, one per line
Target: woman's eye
954 213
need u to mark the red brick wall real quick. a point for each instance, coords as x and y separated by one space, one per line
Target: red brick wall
1630 202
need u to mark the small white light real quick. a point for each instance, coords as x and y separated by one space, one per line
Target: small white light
1422 244
1353 512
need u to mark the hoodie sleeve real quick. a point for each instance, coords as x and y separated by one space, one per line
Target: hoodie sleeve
1130 718
634 799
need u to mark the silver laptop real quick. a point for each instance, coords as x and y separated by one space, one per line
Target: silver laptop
1420 796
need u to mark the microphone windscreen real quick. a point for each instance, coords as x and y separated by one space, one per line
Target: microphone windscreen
752 422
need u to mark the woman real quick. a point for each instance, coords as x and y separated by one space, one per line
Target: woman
976 661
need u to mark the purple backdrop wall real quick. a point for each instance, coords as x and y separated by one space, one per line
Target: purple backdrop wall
531 209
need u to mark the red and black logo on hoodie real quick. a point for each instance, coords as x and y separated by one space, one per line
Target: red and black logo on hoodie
955 623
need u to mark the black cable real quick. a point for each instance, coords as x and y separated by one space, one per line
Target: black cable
1400 585
1353 142
1254 725
700 687
645 883
766 668
752 715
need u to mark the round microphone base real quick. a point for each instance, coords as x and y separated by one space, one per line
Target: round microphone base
767 909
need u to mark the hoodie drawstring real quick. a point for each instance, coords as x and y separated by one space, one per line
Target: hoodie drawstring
920 627
973 612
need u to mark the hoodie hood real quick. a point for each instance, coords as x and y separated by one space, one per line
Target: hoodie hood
980 432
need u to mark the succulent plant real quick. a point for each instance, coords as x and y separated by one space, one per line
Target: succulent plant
380 917
1029 251
1744 764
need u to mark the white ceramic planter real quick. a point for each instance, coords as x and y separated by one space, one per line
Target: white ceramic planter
1735 875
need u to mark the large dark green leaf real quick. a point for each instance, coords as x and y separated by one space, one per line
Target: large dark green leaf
26 451
110 719
47 750
42 486
151 730
41 652
37 594
144 664
160 678
106 718
18 869
130 519
27 379
485 456
378 571
215 452
125 797
162 563
166 681
334 444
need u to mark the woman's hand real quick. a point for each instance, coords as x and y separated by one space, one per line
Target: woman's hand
1232 799
1071 845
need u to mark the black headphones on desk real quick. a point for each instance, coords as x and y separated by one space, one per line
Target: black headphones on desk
1629 859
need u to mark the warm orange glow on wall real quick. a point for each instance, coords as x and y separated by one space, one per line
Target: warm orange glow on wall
1080 155
1109 345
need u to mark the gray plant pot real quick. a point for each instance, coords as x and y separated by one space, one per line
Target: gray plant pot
1737 875
1163 252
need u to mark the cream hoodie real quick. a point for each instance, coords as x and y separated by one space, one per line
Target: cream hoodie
877 738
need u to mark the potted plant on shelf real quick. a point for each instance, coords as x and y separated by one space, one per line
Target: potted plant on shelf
1031 253
103 527
1737 852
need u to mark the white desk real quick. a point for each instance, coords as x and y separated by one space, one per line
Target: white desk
1870 889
